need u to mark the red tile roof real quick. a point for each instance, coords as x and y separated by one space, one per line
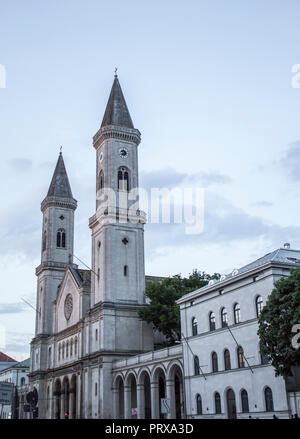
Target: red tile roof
6 358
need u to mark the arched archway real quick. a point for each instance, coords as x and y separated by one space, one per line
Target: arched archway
119 389
159 381
175 391
57 400
131 388
65 397
144 385
73 398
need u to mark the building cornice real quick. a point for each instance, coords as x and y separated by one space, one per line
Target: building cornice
226 282
66 203
116 132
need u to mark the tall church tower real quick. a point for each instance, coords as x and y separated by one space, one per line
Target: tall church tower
57 244
118 225
118 272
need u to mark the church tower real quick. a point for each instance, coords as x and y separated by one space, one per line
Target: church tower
118 225
57 244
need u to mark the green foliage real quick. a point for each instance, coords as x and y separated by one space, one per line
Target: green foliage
276 320
163 311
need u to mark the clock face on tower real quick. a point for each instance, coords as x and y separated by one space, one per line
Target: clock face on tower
123 153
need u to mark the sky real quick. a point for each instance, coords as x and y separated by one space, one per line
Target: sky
208 83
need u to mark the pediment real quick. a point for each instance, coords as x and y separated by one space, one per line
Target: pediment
67 302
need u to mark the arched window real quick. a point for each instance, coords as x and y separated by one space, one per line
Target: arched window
227 359
224 319
269 400
123 179
259 305
71 347
44 240
125 270
49 356
100 180
22 381
61 238
231 406
67 349
214 360
218 403
75 345
199 404
63 350
237 313
212 321
245 402
194 326
59 352
240 357
196 365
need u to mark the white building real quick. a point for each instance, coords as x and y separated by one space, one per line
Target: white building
17 374
225 375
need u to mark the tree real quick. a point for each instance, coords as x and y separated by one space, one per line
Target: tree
163 311
277 318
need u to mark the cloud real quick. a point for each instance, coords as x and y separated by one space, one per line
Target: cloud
18 345
170 178
12 308
20 164
224 223
291 161
262 204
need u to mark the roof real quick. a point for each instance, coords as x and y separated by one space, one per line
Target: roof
282 256
116 112
81 276
6 359
24 363
60 186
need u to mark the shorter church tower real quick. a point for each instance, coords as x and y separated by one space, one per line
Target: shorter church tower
57 244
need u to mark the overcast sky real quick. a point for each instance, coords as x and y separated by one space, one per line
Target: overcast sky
208 84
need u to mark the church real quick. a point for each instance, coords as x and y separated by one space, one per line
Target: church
93 357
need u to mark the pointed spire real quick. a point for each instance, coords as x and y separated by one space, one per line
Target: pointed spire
60 186
116 112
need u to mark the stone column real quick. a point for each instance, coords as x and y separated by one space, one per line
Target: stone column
140 389
62 404
154 401
170 391
127 402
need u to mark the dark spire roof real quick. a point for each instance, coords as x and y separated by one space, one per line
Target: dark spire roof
116 112
60 186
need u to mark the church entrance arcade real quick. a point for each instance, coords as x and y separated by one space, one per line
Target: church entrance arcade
65 398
